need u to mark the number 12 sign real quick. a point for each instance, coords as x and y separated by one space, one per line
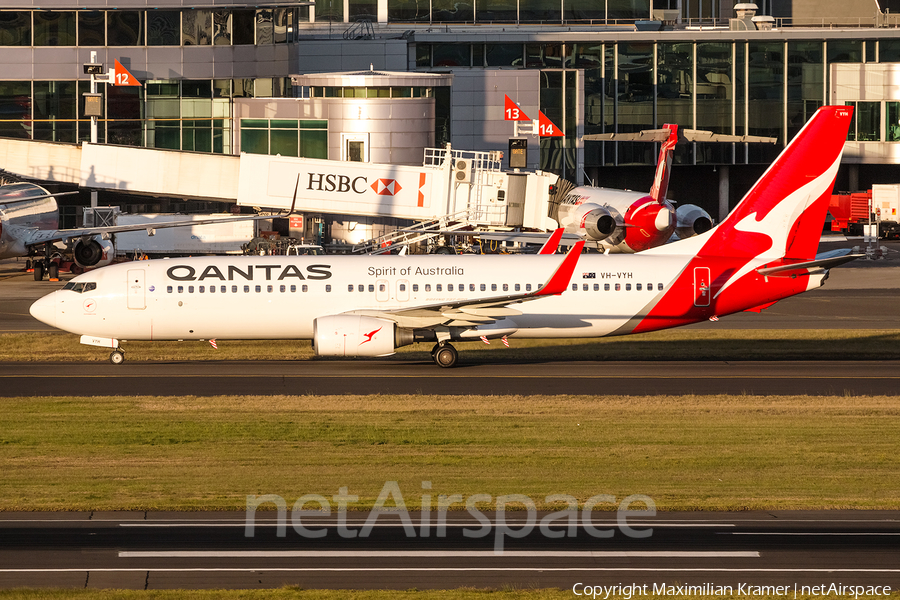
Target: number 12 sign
124 77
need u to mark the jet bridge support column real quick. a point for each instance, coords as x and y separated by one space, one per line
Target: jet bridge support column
723 193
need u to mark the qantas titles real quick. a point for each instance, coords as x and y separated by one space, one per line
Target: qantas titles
281 272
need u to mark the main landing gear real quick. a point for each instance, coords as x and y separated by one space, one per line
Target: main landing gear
117 356
444 355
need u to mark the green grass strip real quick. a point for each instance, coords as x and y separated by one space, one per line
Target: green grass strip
676 344
685 452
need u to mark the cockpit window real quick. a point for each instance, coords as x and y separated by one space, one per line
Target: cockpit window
80 287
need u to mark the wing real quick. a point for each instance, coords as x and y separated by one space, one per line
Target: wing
6 200
38 236
478 311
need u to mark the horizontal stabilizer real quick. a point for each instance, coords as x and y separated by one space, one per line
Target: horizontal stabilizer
823 261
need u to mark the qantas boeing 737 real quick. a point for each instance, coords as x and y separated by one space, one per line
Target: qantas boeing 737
353 306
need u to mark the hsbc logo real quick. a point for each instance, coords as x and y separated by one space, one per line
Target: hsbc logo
386 187
322 182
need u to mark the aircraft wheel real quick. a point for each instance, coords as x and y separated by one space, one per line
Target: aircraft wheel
53 271
38 271
117 357
28 265
446 356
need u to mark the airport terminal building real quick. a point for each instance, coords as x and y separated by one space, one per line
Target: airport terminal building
230 77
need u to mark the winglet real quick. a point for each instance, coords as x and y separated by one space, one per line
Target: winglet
559 281
552 243
664 165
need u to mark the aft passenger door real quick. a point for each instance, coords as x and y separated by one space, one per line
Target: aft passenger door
136 297
701 286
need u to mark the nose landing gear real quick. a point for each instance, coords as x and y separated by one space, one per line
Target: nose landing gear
117 356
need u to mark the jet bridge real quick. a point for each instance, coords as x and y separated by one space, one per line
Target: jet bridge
449 183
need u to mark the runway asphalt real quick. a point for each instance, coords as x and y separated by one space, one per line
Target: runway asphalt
211 378
153 551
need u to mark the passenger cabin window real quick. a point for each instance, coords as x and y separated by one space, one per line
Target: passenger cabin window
493 287
518 287
350 288
415 287
180 289
596 287
427 287
246 289
584 287
449 287
618 287
438 287
169 289
483 288
637 287
605 287
305 288
471 287
627 287
527 287
371 287
293 288
402 287
328 288
234 289
659 286
360 288
574 287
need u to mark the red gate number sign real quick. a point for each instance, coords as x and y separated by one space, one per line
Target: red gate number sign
124 77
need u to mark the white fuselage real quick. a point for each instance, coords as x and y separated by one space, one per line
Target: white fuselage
280 297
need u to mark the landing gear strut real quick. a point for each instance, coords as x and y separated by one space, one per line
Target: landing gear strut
117 357
444 355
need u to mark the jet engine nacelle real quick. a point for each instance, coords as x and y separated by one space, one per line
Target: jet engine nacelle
598 223
355 335
691 220
93 253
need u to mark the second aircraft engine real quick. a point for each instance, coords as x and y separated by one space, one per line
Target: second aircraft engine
93 252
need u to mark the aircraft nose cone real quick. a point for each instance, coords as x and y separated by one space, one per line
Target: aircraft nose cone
44 309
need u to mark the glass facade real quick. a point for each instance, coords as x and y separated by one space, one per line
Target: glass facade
766 88
307 138
175 114
194 27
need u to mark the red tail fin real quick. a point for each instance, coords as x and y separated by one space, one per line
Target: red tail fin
784 213
664 165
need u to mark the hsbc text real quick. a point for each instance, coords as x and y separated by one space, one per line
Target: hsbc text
330 182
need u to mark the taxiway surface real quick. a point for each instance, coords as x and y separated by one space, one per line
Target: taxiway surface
166 550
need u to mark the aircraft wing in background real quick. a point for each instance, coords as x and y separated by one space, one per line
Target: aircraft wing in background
37 236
